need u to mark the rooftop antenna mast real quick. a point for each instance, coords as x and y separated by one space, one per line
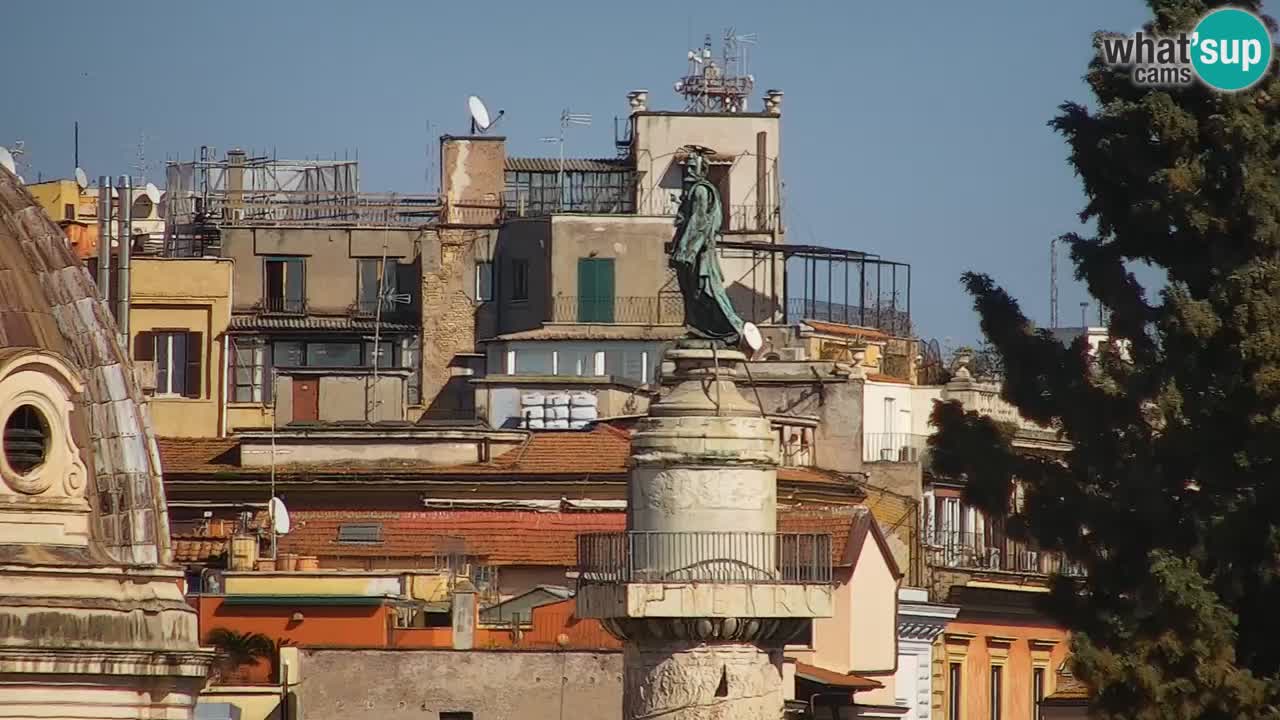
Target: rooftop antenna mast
723 86
567 118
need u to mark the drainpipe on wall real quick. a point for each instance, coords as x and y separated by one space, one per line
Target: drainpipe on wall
222 391
104 238
126 241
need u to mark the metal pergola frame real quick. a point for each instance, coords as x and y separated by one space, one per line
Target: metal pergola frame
872 274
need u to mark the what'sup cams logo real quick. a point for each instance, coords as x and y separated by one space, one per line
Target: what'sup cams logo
1229 50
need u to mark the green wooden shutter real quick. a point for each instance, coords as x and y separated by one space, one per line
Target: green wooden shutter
595 290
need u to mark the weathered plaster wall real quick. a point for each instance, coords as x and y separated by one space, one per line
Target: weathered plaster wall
403 684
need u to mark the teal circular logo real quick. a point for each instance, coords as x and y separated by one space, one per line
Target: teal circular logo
1231 49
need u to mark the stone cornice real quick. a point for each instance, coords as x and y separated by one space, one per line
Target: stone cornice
105 662
923 621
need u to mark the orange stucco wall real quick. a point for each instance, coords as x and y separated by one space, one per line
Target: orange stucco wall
363 626
1008 642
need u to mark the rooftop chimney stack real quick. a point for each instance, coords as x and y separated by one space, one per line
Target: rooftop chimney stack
639 100
773 102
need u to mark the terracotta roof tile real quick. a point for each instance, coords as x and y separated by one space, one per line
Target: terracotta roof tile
497 537
881 377
1069 691
834 679
195 549
510 537
837 521
602 450
199 455
854 331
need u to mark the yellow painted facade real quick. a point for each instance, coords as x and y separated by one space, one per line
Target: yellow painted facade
190 295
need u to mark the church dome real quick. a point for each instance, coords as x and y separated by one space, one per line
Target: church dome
77 442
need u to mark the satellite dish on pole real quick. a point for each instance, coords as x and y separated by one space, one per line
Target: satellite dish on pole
481 120
6 160
81 179
279 516
152 192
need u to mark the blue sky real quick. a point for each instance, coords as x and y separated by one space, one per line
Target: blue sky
913 130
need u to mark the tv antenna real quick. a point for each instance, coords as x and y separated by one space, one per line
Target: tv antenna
481 120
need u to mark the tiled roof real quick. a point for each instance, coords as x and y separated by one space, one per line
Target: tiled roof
834 679
1069 691
818 476
197 549
837 521
881 377
323 324
186 456
498 537
517 537
603 450
600 452
523 164
842 330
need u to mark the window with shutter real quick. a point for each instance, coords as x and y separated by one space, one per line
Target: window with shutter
177 355
191 386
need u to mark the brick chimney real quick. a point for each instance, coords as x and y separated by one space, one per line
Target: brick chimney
472 178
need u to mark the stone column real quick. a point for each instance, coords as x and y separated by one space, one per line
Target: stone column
701 588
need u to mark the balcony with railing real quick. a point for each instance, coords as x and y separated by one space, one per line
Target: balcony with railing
653 310
750 558
284 306
948 549
895 447
752 218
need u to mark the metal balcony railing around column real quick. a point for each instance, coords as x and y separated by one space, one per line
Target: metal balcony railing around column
976 551
704 557
653 310
895 447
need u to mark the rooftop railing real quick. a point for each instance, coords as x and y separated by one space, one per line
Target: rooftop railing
704 557
652 310
895 447
975 551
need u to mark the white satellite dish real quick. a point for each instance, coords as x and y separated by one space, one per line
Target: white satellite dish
480 119
752 338
279 516
6 159
81 179
152 192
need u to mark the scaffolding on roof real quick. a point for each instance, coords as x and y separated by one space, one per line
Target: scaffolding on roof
249 190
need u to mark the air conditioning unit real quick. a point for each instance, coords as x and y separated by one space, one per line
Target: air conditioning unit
792 354
144 373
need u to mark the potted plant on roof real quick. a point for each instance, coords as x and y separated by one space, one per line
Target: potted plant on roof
237 652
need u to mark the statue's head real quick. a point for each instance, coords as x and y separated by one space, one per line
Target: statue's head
695 167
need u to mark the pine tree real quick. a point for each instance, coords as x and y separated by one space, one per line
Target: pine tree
1170 496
